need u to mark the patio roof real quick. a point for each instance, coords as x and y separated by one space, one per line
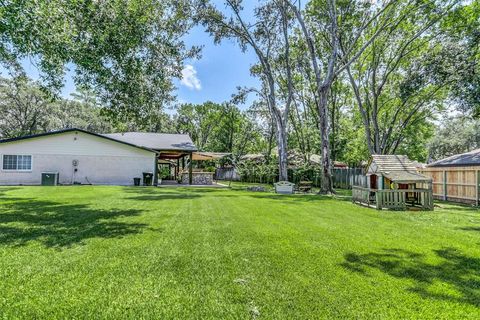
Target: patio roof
209 155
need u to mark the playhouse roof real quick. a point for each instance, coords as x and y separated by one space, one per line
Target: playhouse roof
397 168
406 177
386 163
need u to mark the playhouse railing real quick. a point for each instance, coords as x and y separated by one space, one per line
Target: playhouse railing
394 199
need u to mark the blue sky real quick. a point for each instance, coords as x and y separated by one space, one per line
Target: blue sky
215 76
220 70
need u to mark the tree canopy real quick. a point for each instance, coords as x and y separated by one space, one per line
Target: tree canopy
341 79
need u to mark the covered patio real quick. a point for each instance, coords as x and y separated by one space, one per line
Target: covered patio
174 154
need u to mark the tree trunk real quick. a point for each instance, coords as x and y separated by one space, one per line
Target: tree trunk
327 181
282 151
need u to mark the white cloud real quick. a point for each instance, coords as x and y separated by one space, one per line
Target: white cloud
189 78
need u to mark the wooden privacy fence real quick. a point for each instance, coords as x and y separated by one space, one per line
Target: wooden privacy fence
228 173
394 199
345 178
458 184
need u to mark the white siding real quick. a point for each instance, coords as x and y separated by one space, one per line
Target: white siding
100 161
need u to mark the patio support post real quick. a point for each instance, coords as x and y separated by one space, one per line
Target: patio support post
190 170
155 172
177 169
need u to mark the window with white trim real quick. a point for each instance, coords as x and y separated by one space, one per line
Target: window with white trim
17 162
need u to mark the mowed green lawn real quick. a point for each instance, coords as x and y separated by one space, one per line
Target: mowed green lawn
115 252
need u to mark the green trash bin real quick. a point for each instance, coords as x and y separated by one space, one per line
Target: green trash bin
136 181
147 178
49 178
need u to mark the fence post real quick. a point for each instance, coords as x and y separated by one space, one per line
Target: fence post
444 185
378 199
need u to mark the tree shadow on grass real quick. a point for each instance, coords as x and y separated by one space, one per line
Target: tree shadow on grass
5 190
470 229
164 196
61 225
456 271
296 198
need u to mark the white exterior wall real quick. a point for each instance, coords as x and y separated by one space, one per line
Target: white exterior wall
100 161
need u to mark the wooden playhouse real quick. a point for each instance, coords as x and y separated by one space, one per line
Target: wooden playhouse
393 182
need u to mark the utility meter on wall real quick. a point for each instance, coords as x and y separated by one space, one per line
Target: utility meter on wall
75 163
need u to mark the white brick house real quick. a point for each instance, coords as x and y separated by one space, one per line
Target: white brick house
78 156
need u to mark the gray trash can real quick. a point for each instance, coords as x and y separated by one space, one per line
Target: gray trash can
136 181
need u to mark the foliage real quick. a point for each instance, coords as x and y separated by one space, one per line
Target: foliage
257 171
461 31
341 79
456 135
25 109
267 36
128 51
218 127
164 172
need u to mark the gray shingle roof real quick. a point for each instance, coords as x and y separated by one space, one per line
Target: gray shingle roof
73 130
471 158
156 141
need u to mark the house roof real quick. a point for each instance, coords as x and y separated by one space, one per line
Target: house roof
471 158
73 130
156 141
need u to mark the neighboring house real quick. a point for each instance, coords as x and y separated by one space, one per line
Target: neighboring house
456 178
79 156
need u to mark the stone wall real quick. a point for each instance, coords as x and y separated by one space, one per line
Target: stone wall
198 178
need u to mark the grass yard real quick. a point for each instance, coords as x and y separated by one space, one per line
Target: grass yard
114 252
